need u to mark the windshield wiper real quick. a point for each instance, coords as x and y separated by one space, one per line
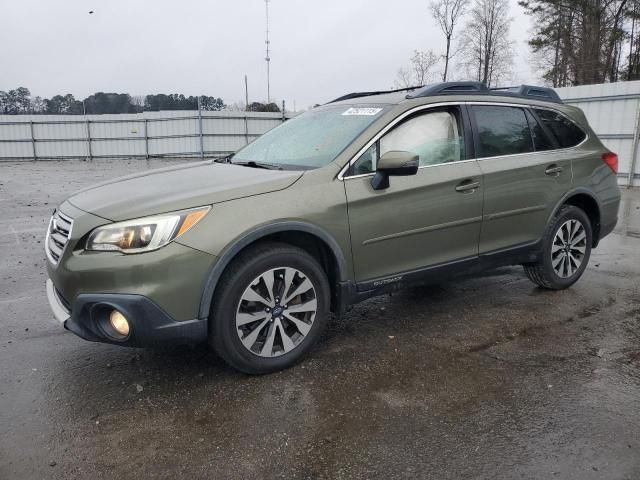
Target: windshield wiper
225 159
252 164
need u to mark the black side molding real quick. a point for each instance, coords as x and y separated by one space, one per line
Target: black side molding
527 253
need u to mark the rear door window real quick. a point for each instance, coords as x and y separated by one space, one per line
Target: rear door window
566 132
502 131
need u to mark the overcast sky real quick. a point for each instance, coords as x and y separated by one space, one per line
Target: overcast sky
320 49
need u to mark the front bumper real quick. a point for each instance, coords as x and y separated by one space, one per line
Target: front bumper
59 309
159 291
149 324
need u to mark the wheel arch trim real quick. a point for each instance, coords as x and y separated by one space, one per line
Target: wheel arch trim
244 240
573 193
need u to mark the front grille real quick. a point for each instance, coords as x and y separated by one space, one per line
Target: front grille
58 235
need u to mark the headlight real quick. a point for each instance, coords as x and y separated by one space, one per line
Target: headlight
144 234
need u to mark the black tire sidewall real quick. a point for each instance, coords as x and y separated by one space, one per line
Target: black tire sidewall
567 213
223 335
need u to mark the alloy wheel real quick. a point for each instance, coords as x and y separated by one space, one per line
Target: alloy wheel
276 312
568 248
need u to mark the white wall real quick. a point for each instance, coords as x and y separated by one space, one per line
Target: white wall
612 110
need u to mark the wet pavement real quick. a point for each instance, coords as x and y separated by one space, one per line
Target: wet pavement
486 377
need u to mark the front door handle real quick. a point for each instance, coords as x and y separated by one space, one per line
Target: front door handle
468 186
553 170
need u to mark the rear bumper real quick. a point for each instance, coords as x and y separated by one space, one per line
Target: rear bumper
605 229
609 202
149 324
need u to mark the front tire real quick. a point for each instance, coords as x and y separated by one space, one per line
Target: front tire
565 252
270 308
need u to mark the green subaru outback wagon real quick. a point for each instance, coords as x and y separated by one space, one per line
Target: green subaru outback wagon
367 194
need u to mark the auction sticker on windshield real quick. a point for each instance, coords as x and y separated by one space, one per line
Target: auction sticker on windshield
363 111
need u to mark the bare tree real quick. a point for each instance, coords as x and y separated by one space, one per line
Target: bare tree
420 70
138 101
486 42
632 69
38 105
403 79
447 13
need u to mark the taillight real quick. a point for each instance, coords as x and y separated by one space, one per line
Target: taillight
611 159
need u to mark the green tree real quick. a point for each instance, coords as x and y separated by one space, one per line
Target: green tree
4 102
63 104
211 103
173 101
15 101
580 42
176 101
263 107
101 103
19 101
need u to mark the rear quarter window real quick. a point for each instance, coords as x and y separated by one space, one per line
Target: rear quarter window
541 139
567 133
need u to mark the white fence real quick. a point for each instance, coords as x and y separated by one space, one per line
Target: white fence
613 110
142 135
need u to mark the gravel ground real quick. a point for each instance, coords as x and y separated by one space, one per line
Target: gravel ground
486 377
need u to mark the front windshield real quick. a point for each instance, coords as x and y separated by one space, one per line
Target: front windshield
311 140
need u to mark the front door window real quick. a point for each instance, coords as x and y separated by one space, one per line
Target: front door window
436 137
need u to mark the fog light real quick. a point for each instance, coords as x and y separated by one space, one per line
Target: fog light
119 323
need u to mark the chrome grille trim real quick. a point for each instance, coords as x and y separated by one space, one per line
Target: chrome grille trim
58 234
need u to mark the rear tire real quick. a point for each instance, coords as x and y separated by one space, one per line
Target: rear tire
565 251
270 308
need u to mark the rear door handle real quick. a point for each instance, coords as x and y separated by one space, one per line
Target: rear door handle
467 186
554 170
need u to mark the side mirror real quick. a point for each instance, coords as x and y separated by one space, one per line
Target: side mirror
394 163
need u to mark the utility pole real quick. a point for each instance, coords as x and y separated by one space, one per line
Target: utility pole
88 127
268 57
246 93
200 128
246 110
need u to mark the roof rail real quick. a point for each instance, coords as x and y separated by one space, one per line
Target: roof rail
450 88
479 88
469 88
349 96
541 93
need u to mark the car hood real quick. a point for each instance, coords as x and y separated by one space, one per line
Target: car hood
177 188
